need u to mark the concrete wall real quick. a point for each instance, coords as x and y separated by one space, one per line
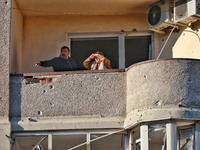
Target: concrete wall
4 56
16 39
163 89
147 91
163 84
5 18
100 94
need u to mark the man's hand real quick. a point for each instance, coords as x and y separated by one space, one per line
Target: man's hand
37 64
92 56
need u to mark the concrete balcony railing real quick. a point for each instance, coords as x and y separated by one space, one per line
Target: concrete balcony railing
70 94
158 89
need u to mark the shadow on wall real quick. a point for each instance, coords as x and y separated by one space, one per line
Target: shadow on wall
15 98
196 26
167 52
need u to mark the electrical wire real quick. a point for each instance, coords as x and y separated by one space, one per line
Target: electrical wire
165 42
169 37
39 142
99 138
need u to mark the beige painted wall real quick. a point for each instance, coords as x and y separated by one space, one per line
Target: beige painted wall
16 40
187 44
184 44
40 37
43 36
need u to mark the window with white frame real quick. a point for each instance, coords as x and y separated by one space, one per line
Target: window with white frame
166 136
157 136
122 50
70 140
185 138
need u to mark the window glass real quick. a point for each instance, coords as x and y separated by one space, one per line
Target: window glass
29 142
136 139
83 48
112 142
185 139
137 49
157 136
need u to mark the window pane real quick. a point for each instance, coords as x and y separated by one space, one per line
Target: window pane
112 142
136 49
83 48
136 139
157 135
68 141
29 142
185 139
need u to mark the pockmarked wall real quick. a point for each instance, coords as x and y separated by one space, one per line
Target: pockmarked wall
95 94
16 39
5 18
44 35
5 25
176 79
163 89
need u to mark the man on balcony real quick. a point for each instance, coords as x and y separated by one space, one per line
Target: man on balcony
97 61
61 63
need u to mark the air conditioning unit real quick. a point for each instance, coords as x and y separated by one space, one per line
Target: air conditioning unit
160 15
186 11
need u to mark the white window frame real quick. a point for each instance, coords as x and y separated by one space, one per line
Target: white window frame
171 132
85 132
121 42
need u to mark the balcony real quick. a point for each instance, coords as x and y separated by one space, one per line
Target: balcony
150 90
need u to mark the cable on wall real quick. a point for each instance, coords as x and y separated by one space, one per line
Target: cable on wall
166 42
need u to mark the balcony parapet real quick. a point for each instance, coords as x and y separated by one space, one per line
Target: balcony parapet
148 91
167 82
79 93
163 89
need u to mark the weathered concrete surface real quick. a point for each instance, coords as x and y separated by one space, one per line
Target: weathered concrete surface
5 131
99 94
67 123
5 18
148 91
161 114
163 83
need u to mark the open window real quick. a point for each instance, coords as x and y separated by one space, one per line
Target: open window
122 50
77 140
157 135
185 138
137 49
115 142
82 48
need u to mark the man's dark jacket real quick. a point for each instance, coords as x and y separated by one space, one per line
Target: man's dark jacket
60 64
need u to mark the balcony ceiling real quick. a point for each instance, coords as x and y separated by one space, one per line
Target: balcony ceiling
83 7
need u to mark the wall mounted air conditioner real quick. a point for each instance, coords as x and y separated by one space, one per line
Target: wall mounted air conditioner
160 15
186 11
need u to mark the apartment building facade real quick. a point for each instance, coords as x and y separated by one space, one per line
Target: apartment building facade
148 101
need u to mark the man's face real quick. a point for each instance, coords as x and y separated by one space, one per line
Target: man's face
65 52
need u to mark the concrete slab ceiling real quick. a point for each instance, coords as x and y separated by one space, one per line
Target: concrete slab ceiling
80 7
